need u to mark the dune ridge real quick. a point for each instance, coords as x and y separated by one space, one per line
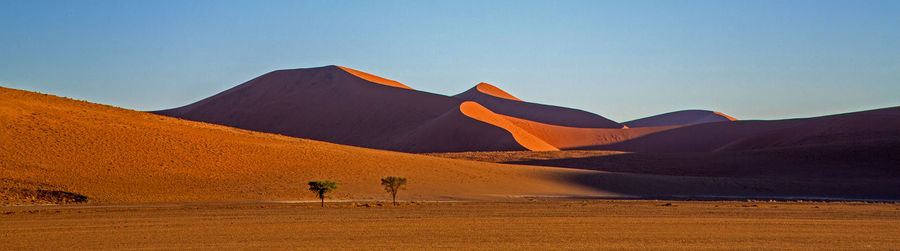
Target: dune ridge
375 79
684 117
494 91
547 114
331 104
526 139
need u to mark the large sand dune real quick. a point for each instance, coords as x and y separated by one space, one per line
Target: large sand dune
346 106
335 104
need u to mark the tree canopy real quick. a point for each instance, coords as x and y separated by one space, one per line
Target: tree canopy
393 185
321 188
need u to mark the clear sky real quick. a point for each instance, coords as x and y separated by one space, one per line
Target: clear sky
619 59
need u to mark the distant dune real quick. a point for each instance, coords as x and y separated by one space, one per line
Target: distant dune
345 106
335 104
686 117
849 128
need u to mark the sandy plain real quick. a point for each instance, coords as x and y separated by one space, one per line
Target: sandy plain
541 224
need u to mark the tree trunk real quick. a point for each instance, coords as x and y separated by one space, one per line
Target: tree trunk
323 201
395 198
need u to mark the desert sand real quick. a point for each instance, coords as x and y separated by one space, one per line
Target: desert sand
605 225
115 155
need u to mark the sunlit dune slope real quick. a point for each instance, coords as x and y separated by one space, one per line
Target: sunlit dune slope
331 104
488 89
116 155
375 79
564 137
523 137
501 102
856 127
685 117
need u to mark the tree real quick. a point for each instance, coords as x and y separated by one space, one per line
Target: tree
321 188
393 185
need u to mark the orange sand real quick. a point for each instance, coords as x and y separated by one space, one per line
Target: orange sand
116 155
523 137
375 79
494 91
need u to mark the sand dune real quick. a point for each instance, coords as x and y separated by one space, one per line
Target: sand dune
762 134
685 117
494 91
375 79
331 104
115 155
523 137
564 137
501 102
845 170
346 106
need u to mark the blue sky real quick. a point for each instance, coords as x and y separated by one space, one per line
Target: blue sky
619 59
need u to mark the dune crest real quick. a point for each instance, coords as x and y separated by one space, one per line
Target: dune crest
331 104
523 137
374 79
501 102
564 137
725 115
684 117
494 91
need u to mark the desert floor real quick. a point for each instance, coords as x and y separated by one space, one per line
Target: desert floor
563 224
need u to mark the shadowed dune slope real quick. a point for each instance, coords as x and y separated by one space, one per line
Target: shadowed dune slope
856 127
685 117
845 170
501 102
858 160
115 155
335 104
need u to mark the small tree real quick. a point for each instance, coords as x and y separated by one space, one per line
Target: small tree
393 185
322 187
